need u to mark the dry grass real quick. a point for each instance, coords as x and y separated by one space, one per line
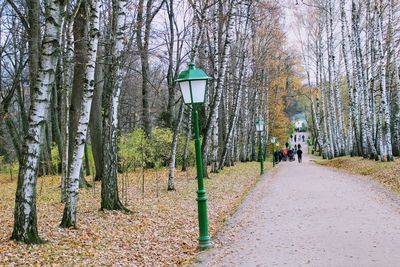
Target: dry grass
387 173
162 230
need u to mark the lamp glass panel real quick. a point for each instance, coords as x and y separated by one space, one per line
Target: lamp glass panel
199 90
185 89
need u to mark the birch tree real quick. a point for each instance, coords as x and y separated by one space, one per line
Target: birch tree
69 215
25 217
109 190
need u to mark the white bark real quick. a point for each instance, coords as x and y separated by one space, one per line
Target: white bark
344 31
384 98
25 218
174 145
109 191
69 217
220 80
65 99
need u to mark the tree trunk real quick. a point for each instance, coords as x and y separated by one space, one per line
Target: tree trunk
219 86
80 60
65 106
384 97
171 176
69 216
109 189
25 217
96 122
142 42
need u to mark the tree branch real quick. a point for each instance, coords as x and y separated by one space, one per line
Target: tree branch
20 15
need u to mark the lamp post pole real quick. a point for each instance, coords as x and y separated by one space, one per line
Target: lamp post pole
193 84
204 238
273 155
260 128
273 140
261 156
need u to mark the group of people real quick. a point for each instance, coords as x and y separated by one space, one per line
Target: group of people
288 153
295 138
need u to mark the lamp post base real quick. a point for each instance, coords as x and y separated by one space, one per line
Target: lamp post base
205 243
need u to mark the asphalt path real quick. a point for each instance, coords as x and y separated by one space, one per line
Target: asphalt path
303 214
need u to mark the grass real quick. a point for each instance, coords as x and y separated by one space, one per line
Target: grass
161 231
387 173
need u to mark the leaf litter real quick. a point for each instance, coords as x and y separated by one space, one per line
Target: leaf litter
162 229
386 173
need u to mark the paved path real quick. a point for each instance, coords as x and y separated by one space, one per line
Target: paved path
309 215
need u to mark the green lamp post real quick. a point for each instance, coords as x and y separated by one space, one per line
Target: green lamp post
260 129
193 84
277 146
273 140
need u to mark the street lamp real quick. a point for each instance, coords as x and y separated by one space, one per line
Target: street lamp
193 84
273 140
277 145
260 129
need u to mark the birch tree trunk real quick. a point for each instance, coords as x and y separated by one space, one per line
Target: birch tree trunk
344 32
396 122
69 216
65 100
384 98
220 82
109 189
174 145
368 146
25 217
228 147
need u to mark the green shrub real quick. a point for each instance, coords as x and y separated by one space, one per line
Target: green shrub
161 145
7 167
55 159
135 149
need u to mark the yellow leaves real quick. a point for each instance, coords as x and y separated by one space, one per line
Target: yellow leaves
162 230
387 173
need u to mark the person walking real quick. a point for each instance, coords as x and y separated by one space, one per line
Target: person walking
299 155
295 138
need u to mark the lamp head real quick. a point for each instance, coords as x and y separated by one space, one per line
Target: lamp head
193 84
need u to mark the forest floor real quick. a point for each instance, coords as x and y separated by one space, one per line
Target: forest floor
162 229
311 215
386 173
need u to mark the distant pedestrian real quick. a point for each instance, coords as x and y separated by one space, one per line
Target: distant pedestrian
295 138
276 156
298 146
291 137
303 138
299 155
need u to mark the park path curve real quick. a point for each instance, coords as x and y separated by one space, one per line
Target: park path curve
310 215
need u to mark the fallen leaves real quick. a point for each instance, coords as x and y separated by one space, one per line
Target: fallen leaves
161 230
387 173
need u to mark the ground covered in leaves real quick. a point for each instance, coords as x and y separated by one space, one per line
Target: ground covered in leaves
161 230
387 173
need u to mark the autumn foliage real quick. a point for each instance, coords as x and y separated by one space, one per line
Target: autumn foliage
161 230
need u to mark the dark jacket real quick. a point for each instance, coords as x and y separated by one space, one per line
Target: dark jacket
299 152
